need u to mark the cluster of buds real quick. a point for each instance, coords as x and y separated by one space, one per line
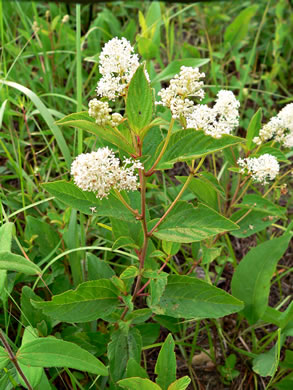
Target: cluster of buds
279 127
101 171
218 120
183 85
101 112
261 169
118 64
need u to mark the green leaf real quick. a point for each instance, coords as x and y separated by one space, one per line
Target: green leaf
125 344
6 232
253 128
202 190
134 369
147 48
288 361
286 383
48 237
90 301
51 352
258 203
189 144
46 116
4 358
166 364
139 316
253 287
29 314
129 272
83 121
98 268
265 364
157 286
253 222
71 195
149 333
280 156
123 242
170 248
238 29
11 262
139 104
33 374
188 224
174 67
210 254
190 298
279 318
138 383
180 384
3 282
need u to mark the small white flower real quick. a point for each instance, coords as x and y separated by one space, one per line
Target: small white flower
65 19
184 84
279 127
118 64
261 169
100 171
101 112
218 120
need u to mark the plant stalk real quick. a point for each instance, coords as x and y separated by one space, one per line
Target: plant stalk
14 360
192 173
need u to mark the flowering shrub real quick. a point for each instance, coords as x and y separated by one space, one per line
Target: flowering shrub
138 133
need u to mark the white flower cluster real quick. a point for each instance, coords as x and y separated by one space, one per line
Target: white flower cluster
216 121
117 66
261 169
184 84
100 171
100 111
279 127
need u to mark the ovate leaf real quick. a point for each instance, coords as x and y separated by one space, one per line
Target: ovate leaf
139 104
125 343
188 297
138 383
188 224
238 29
47 237
189 144
84 201
166 364
51 352
4 358
90 301
180 384
83 121
29 314
251 280
33 374
6 231
11 262
253 128
265 364
134 369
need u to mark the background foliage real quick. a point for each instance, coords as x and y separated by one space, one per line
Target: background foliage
49 69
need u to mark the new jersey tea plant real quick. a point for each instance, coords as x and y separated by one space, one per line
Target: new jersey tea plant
155 251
